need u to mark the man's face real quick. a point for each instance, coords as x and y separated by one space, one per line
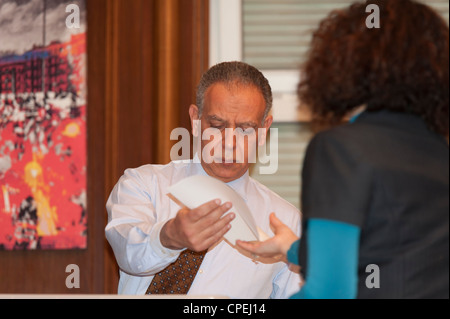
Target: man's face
235 112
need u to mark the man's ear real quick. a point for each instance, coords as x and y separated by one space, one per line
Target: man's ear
267 123
193 114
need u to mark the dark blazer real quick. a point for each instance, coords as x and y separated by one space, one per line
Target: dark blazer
388 174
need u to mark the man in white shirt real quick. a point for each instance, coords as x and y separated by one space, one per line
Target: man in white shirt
147 230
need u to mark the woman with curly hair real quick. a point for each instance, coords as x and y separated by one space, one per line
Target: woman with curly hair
375 188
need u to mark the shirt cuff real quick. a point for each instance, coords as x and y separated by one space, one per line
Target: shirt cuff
157 247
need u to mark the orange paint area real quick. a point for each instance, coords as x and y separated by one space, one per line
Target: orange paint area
43 156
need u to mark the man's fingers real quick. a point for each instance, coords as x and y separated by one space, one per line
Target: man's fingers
204 225
201 211
219 230
214 215
220 226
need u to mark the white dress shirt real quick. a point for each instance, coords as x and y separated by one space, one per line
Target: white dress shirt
138 207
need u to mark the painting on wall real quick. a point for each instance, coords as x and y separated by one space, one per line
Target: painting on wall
43 155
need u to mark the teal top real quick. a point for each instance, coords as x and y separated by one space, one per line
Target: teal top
332 260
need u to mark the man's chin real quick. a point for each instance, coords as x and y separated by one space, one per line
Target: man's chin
226 172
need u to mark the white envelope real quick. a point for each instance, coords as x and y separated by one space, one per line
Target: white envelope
199 189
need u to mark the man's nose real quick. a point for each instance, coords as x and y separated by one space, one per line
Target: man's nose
228 139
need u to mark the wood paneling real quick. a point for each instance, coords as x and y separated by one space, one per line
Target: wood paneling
195 60
182 39
145 58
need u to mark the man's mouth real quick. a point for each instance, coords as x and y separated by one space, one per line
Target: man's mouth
225 161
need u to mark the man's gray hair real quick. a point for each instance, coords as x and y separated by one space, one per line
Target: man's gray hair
234 73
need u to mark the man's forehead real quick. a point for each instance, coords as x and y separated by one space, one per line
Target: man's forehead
244 102
241 122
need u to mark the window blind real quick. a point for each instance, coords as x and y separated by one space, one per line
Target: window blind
293 139
276 33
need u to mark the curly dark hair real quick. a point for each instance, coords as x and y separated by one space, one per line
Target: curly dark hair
403 66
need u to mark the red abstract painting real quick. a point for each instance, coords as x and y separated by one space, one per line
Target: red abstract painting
43 135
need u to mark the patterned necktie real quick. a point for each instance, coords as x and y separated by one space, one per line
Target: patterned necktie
178 276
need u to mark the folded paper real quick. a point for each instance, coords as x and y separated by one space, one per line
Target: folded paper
196 190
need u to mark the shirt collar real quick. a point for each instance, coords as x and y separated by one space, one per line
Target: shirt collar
239 185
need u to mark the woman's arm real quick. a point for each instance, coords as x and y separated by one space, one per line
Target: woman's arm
332 256
332 260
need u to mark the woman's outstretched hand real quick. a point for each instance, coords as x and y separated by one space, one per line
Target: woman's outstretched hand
275 247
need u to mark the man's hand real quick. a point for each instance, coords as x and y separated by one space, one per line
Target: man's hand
197 229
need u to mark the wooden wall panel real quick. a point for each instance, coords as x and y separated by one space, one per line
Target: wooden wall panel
183 57
195 60
145 58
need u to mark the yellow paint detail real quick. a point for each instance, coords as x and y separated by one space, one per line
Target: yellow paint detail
71 130
47 215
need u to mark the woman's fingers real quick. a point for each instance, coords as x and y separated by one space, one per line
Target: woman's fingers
266 248
275 246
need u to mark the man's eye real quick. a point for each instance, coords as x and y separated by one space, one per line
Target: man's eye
219 127
247 130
